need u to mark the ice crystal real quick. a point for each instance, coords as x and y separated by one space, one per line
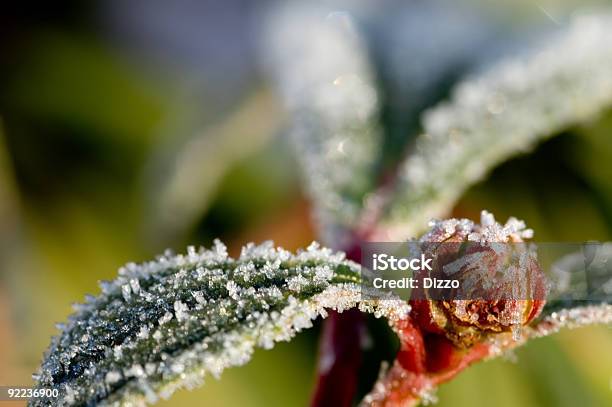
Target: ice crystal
574 318
571 318
322 71
186 316
581 279
503 112
489 230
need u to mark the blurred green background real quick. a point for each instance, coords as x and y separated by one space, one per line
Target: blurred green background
127 127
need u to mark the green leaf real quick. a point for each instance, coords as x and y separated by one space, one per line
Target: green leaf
321 67
499 114
582 280
165 324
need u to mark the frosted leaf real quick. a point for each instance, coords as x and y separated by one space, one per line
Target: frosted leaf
581 279
501 113
573 318
233 289
206 312
112 377
135 285
126 291
181 311
199 297
143 333
165 318
320 66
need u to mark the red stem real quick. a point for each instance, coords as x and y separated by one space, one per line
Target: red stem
339 359
340 351
425 360
340 344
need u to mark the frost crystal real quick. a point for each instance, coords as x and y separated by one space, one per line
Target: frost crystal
489 230
112 377
501 113
320 65
181 310
186 316
574 318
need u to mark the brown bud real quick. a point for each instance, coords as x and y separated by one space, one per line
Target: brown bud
501 284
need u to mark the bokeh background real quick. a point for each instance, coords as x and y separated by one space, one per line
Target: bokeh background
128 127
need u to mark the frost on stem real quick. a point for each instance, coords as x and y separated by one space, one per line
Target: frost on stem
501 113
167 323
321 68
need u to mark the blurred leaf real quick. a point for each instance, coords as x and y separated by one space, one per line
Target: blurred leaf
330 91
499 114
183 180
266 181
547 189
421 49
582 279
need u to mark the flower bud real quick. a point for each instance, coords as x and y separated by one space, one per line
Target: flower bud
501 284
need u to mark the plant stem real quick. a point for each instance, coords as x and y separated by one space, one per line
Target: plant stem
340 350
339 359
423 362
